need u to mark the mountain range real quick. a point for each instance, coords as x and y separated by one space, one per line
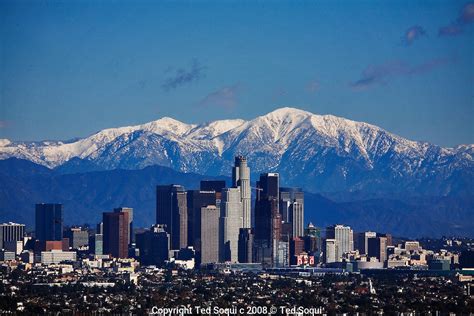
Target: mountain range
321 153
352 172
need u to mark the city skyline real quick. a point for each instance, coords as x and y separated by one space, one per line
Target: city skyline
408 68
310 157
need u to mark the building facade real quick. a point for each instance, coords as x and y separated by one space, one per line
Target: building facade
330 250
344 239
209 235
11 232
196 199
296 218
77 236
246 240
154 246
288 196
230 223
129 211
377 247
241 179
171 210
116 234
49 221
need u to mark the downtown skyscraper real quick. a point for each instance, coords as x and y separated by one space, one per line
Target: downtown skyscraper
230 224
267 219
49 222
11 232
344 239
128 210
292 209
116 233
171 210
241 179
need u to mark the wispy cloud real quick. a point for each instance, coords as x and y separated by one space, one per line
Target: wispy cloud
183 76
381 74
226 97
412 34
3 124
467 14
450 30
465 17
312 86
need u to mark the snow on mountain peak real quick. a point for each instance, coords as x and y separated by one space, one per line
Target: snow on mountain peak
287 113
285 136
166 125
4 142
213 129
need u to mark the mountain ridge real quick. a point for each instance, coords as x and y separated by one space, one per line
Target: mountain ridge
322 153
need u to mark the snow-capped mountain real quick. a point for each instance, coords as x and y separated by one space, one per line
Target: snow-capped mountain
321 153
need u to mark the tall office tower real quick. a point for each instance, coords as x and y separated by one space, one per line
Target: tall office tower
230 224
266 205
96 244
246 237
171 210
265 211
241 178
377 247
311 244
154 245
389 238
116 226
11 232
287 197
268 186
209 235
267 230
330 250
314 232
296 248
283 257
77 236
49 221
297 218
344 239
362 240
276 233
195 200
128 210
267 219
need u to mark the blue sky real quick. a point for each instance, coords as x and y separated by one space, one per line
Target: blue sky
69 69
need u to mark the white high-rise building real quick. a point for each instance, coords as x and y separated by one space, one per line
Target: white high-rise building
209 237
230 224
297 218
11 232
344 237
241 178
330 250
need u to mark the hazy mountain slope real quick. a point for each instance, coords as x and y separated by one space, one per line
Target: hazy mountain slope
86 195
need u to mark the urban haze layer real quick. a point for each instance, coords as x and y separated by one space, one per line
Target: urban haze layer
212 253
